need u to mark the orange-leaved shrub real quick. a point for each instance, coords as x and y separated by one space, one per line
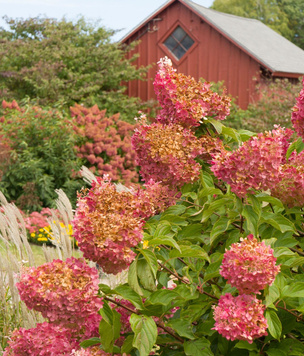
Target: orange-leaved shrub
105 143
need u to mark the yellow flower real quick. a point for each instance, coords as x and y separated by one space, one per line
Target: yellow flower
42 239
145 244
40 235
41 230
33 234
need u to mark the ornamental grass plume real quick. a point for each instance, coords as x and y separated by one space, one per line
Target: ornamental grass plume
240 318
106 226
183 100
166 153
297 116
249 265
256 164
44 340
65 292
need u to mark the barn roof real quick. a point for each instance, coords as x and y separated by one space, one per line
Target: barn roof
262 43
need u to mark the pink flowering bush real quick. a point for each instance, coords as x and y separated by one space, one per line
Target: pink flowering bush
105 143
213 202
43 340
64 292
249 265
183 100
240 318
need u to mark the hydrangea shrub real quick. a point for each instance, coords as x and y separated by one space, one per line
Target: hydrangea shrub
212 243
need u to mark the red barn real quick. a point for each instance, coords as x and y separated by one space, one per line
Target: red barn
208 44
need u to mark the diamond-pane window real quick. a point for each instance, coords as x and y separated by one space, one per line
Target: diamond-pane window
178 42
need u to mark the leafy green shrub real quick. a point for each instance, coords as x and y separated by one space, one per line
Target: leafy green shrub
67 62
42 156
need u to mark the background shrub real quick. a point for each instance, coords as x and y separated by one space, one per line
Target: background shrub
104 143
42 156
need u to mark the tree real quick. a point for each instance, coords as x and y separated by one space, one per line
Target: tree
283 16
70 62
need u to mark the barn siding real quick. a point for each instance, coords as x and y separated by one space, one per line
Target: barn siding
212 57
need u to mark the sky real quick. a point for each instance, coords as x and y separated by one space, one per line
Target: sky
114 14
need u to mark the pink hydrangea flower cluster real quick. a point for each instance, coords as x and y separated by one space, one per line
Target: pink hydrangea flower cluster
240 318
65 292
256 164
297 116
249 265
166 153
45 339
183 100
107 226
155 198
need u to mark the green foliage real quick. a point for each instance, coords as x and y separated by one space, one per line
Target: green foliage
67 62
283 16
42 156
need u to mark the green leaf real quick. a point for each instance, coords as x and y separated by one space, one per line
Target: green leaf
105 288
174 219
107 313
209 191
228 131
190 232
199 347
183 327
215 206
274 324
145 333
145 275
212 270
163 297
252 219
175 210
132 278
190 251
220 226
278 221
217 125
109 331
245 345
127 345
128 293
272 295
269 199
90 342
295 290
151 259
291 148
164 240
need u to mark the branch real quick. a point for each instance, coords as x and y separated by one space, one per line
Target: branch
158 323
186 281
